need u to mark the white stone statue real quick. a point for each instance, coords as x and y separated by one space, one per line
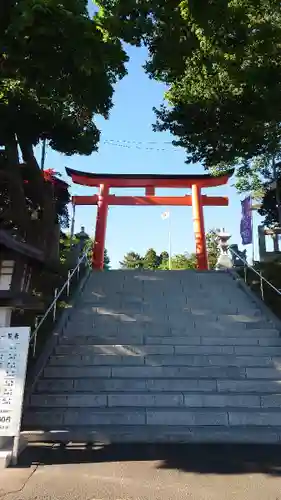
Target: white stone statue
224 259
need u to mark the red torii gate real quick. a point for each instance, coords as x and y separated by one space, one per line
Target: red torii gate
149 182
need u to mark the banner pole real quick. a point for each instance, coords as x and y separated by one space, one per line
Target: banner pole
170 244
253 244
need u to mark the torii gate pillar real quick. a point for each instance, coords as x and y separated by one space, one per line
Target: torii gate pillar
199 229
100 234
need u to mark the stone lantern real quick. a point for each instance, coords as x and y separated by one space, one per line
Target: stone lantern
224 259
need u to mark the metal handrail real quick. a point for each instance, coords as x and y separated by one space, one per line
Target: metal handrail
262 278
66 285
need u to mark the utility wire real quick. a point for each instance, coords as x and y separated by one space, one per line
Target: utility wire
138 142
136 145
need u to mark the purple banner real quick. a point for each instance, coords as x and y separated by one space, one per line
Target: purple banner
246 229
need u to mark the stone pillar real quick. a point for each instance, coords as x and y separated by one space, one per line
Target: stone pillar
275 242
262 243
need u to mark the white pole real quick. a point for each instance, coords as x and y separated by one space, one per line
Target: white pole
253 228
170 244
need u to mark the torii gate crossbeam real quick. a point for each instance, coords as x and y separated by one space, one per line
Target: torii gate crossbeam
141 201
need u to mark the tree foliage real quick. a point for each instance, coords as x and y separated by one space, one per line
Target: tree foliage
212 247
58 70
106 264
151 260
68 244
183 261
269 208
132 260
221 62
258 177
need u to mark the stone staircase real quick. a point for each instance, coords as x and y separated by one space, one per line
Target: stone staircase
181 356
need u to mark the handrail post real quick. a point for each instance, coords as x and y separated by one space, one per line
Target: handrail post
55 305
68 283
35 336
261 286
245 273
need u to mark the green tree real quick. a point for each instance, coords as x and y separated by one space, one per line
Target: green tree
164 256
58 71
132 260
66 243
52 53
212 247
106 260
183 261
269 208
179 262
163 260
259 177
221 63
151 259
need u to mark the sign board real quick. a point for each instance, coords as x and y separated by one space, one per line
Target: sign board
14 344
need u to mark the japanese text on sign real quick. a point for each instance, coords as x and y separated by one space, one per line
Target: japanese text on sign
14 343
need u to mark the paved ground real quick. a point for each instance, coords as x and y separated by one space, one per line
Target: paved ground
145 473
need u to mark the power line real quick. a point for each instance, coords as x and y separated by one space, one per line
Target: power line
138 142
137 145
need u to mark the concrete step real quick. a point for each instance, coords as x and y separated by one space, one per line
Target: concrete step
154 308
155 399
93 384
250 386
256 350
228 417
175 322
141 358
240 350
169 345
125 350
164 303
152 372
165 336
159 434
131 305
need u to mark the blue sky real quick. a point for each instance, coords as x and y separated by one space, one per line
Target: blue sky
139 228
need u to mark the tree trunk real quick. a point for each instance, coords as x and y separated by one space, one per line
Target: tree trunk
11 174
278 197
43 155
46 190
11 148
